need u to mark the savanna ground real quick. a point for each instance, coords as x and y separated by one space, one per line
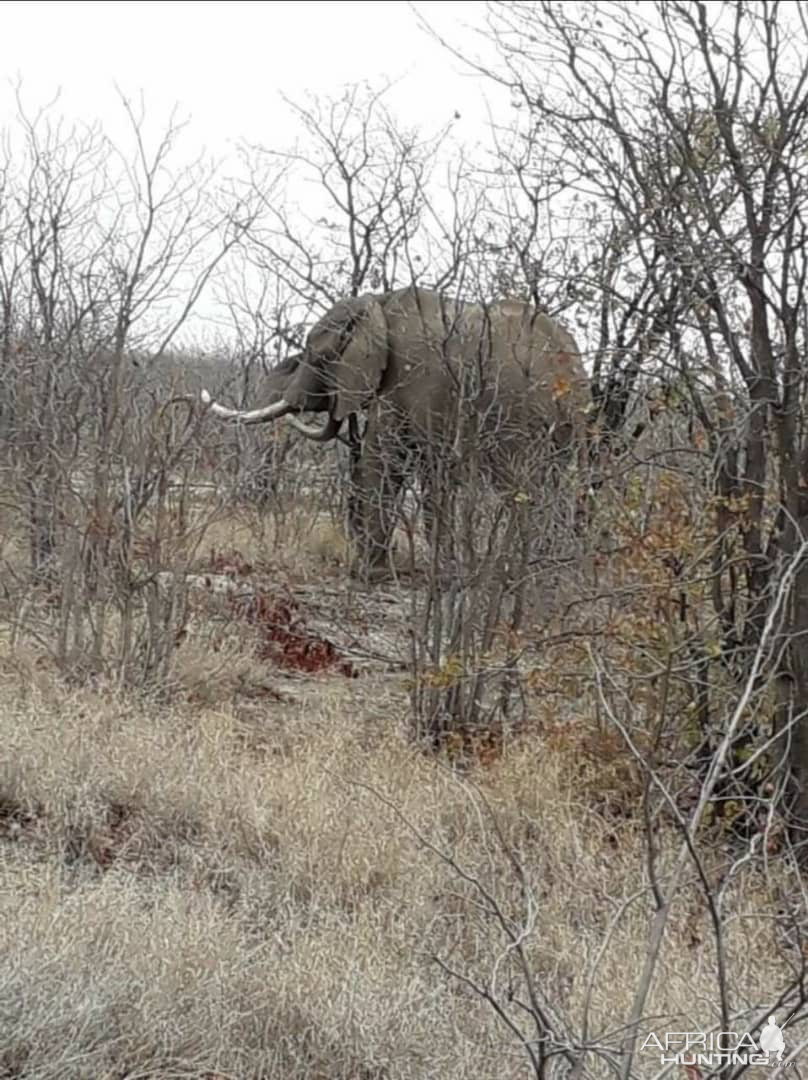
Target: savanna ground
257 872
224 851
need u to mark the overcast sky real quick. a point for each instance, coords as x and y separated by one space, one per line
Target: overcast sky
224 67
225 64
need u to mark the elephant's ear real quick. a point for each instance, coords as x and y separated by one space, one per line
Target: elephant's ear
359 370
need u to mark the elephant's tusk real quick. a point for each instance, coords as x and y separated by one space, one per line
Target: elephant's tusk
256 416
324 433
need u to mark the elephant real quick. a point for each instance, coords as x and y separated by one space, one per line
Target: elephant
433 376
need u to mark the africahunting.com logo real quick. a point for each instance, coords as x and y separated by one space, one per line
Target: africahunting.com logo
722 1047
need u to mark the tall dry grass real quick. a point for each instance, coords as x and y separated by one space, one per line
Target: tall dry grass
237 890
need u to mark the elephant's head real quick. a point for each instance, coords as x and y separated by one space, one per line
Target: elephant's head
341 366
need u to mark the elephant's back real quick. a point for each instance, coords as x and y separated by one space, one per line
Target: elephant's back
517 365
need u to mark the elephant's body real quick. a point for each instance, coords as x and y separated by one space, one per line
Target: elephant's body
512 369
438 379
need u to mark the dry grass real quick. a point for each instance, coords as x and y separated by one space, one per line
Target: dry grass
233 885
299 541
189 891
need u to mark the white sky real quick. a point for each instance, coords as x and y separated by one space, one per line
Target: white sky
224 64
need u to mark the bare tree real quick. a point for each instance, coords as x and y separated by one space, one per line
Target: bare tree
689 129
104 256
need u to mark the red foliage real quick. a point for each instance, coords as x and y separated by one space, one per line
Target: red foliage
231 564
285 638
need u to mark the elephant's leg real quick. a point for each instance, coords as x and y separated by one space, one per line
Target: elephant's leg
431 509
438 478
379 477
354 500
433 491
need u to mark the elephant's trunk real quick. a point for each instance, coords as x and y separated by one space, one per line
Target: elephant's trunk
322 433
255 416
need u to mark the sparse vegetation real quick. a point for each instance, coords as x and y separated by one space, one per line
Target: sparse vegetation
210 888
543 791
